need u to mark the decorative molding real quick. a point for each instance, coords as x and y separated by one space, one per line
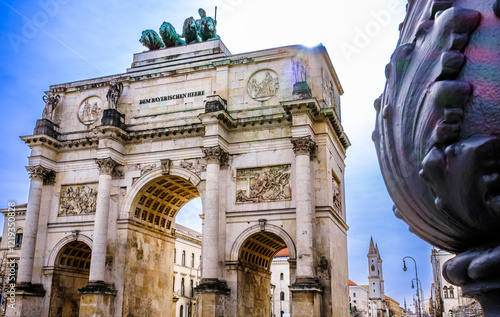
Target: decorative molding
106 165
78 200
304 146
260 184
166 164
215 155
40 173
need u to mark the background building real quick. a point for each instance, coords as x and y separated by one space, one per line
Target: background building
280 281
447 299
358 300
187 261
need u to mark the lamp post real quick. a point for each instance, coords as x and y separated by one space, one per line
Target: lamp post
419 311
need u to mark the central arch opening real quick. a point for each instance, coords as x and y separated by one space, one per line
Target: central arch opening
162 257
255 257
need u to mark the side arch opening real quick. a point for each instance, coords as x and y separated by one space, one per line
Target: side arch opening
256 287
71 272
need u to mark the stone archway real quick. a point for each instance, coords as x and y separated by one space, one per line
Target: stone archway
147 242
71 272
254 251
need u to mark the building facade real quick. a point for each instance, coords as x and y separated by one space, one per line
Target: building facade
280 282
358 300
187 270
446 299
256 135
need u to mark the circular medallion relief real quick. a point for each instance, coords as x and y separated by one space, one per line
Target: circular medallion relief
263 85
90 110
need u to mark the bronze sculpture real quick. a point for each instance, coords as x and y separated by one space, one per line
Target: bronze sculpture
438 137
193 31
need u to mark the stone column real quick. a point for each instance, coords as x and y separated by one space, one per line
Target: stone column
97 297
29 297
39 176
306 291
98 260
304 148
212 292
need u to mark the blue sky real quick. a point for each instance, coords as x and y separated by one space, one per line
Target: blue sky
56 41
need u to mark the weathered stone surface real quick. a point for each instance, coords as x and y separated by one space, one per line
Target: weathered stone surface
192 138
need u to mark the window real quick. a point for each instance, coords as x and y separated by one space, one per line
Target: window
451 292
282 296
181 311
445 290
182 287
282 276
183 260
19 238
173 284
192 260
192 288
354 295
175 255
373 268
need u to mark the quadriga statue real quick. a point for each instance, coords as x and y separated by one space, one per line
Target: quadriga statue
438 137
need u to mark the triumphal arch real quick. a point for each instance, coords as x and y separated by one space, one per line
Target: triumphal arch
256 135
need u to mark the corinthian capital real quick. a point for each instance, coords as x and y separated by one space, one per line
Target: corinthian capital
304 146
40 173
106 165
214 155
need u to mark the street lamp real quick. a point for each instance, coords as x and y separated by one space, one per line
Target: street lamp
419 313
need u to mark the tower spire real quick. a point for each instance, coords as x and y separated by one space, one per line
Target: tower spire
372 249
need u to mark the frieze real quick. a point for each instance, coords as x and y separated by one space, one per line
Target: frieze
263 184
196 166
90 110
263 85
78 200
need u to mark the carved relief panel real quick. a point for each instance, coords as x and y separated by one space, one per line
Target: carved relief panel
90 110
78 200
263 85
262 184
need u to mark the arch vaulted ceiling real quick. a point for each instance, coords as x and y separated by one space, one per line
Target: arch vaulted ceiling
160 200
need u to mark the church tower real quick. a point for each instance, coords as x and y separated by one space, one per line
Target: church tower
376 279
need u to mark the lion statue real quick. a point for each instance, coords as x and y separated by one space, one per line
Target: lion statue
151 40
169 35
190 31
207 29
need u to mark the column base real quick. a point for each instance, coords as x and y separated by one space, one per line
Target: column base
306 297
212 297
25 300
97 299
